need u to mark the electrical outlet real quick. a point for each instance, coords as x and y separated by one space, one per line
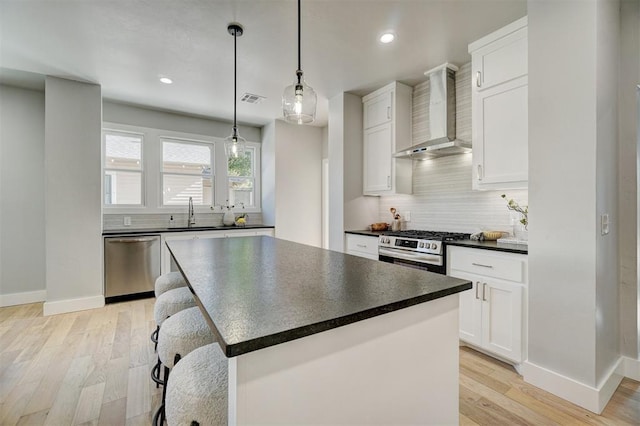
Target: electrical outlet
407 216
604 224
127 221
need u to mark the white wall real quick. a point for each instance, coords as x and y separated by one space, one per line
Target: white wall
348 208
22 217
570 126
292 159
627 177
73 120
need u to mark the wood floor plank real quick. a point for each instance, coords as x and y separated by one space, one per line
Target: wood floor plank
16 402
64 407
117 382
113 413
34 419
138 395
89 404
122 336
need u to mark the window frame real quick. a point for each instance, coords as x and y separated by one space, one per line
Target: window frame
257 208
212 163
111 131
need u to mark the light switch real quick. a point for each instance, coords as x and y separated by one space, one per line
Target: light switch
127 221
604 223
407 216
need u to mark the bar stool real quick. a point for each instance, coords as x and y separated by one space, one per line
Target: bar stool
197 389
180 335
164 283
169 303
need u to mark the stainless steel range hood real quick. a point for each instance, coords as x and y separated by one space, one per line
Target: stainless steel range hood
442 118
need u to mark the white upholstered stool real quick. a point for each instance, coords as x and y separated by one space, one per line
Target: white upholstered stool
180 334
164 283
169 281
197 389
169 303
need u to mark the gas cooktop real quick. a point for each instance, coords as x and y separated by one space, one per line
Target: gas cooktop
428 235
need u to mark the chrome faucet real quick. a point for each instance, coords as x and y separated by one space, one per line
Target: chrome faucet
192 217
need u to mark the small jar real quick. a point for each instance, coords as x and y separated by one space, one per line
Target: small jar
396 225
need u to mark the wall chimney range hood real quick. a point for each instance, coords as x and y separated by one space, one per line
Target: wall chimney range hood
442 118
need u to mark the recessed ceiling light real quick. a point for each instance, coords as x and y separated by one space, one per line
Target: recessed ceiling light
166 80
387 37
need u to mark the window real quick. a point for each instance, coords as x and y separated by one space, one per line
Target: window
242 178
186 172
122 169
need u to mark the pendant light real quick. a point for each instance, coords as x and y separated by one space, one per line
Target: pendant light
299 100
234 144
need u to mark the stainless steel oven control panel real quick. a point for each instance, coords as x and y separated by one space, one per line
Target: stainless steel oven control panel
411 244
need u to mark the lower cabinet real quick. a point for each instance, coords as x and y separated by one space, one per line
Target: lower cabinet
362 245
493 312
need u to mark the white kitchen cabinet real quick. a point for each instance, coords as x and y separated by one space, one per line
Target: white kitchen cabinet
362 245
493 312
500 108
387 130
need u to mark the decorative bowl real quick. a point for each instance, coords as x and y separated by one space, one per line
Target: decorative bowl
492 235
379 226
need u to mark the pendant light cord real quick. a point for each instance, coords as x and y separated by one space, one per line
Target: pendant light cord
299 73
235 78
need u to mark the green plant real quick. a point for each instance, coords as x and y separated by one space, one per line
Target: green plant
524 211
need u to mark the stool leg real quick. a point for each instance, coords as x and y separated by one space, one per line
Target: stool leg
164 395
155 374
154 337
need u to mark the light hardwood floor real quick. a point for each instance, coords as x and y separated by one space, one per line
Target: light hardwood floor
92 368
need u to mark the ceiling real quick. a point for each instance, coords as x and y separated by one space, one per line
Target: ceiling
125 46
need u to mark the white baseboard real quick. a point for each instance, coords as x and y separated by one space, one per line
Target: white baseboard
591 398
630 368
23 298
72 305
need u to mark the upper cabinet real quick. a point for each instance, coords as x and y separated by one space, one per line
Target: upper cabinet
387 130
500 108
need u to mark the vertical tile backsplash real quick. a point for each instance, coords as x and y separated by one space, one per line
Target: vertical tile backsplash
442 197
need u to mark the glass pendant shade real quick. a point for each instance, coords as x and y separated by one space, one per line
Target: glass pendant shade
299 103
234 145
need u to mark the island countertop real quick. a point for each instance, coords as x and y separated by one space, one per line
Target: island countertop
258 292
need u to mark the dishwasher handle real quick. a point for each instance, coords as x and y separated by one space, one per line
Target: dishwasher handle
132 240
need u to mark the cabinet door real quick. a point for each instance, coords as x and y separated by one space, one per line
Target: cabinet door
470 319
503 60
378 110
377 159
500 136
502 319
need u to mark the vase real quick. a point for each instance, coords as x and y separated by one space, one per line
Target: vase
229 218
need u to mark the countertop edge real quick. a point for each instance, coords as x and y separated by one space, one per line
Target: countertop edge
236 349
118 232
365 232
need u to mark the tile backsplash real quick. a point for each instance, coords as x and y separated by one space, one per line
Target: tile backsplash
443 200
161 220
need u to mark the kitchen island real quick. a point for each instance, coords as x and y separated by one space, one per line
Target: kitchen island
316 336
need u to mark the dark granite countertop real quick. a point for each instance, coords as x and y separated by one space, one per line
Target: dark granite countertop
146 231
261 291
491 245
367 233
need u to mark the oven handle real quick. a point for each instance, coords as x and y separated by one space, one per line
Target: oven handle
431 259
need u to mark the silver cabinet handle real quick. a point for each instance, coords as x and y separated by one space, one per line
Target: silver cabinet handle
389 112
479 171
478 79
481 265
389 182
477 288
361 245
484 287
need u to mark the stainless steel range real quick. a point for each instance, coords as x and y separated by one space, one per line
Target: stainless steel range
417 249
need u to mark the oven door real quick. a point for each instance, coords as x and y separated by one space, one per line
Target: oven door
424 261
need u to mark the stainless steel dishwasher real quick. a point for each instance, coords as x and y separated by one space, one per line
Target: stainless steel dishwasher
131 266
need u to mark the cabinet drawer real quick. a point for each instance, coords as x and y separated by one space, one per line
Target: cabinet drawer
362 244
482 262
378 110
